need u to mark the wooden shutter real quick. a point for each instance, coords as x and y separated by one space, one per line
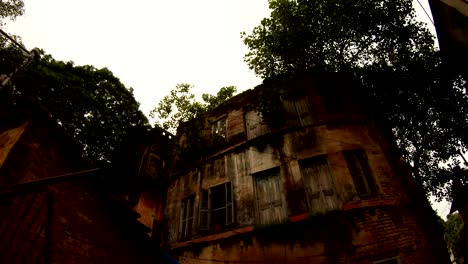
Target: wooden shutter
269 197
360 172
255 125
298 111
204 219
182 217
229 204
318 181
189 217
291 112
303 111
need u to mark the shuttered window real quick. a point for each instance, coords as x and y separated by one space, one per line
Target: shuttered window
319 184
204 224
269 196
216 208
186 221
255 125
358 166
297 110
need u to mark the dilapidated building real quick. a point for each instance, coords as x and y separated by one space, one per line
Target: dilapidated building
54 206
315 179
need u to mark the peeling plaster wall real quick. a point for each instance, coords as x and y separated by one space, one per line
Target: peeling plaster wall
384 224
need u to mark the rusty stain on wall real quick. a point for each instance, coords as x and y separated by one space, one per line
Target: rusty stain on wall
323 159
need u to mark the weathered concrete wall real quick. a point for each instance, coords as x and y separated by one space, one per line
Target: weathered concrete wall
377 234
383 222
239 166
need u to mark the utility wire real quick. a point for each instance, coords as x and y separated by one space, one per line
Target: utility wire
430 19
18 45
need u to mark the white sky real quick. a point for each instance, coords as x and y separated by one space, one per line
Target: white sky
151 45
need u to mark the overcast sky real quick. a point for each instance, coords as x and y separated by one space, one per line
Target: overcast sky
151 45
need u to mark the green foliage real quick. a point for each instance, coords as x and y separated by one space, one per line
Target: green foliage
181 106
91 104
453 229
213 101
11 9
393 56
332 35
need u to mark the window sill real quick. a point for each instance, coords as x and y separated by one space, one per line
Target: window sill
214 237
231 233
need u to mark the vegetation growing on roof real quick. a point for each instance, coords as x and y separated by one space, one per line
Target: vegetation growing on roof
394 57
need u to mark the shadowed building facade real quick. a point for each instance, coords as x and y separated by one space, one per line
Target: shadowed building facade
318 181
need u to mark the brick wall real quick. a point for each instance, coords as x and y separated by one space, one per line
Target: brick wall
64 223
64 220
393 221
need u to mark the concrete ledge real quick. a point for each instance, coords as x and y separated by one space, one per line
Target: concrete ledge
214 237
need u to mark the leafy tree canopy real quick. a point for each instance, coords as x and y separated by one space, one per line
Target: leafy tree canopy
453 230
91 104
181 106
11 9
393 55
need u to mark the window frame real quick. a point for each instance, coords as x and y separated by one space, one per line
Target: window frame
321 193
218 131
300 115
269 173
187 220
205 223
359 168
255 126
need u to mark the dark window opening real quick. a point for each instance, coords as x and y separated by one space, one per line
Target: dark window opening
333 97
186 221
297 110
216 208
218 131
358 166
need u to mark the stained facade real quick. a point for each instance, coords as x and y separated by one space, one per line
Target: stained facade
53 206
320 182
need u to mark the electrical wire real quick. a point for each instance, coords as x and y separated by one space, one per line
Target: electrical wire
430 19
18 45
